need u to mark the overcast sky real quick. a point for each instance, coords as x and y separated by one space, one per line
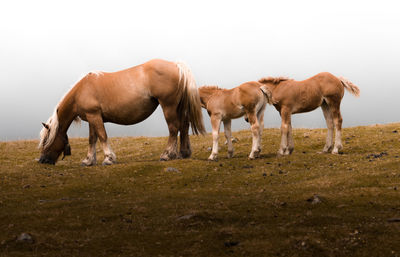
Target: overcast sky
46 46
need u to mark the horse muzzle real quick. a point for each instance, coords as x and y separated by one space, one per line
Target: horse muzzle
46 160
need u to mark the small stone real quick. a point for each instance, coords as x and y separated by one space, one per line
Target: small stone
26 186
315 199
394 131
171 169
186 217
247 167
25 238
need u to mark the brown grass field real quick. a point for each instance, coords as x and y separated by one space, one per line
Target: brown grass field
306 204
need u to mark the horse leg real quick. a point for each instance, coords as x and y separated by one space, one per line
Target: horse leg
255 130
185 149
329 124
171 116
228 136
260 117
96 122
290 148
337 119
91 156
285 129
215 123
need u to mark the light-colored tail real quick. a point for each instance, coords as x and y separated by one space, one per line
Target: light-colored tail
190 106
267 94
353 89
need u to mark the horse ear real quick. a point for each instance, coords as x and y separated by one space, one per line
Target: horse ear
45 125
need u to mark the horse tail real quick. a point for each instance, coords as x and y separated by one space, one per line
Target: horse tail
349 86
190 107
267 93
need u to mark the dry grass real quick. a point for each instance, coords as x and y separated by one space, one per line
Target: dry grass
234 207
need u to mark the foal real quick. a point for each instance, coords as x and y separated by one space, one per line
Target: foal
224 105
290 97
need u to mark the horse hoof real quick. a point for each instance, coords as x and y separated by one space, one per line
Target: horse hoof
213 158
109 160
279 155
230 154
87 162
168 156
84 164
186 154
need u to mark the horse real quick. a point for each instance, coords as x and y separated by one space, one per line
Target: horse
126 97
322 90
248 99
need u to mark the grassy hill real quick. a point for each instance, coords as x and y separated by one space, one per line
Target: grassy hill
307 204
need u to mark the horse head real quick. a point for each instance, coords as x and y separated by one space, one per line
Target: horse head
52 144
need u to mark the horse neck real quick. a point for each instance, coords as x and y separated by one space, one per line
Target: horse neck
66 113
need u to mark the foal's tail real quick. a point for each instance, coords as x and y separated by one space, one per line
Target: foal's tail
353 89
267 93
190 106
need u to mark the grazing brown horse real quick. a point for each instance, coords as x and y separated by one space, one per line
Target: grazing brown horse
126 97
224 105
290 97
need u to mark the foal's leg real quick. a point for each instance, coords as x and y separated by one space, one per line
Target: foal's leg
185 149
285 130
290 147
171 116
337 119
228 136
255 130
97 123
329 124
215 123
91 156
260 117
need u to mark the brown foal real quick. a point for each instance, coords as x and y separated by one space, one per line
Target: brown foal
126 97
290 97
224 105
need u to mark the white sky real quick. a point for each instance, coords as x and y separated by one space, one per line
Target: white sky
45 46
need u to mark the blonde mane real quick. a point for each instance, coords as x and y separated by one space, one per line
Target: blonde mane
213 87
47 135
273 80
